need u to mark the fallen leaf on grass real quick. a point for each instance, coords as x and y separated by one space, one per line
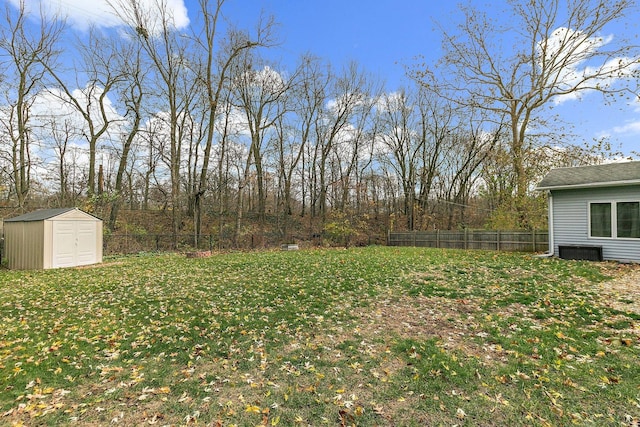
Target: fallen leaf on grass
252 409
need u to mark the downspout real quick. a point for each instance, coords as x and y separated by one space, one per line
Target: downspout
549 252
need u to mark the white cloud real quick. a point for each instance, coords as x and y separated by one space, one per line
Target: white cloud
629 128
52 105
236 122
572 50
269 79
346 102
257 86
565 41
82 14
391 102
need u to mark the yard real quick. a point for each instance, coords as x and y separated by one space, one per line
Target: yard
368 336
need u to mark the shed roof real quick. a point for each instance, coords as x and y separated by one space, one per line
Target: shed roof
41 215
607 175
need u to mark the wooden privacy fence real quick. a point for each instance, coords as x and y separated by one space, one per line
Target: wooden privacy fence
497 240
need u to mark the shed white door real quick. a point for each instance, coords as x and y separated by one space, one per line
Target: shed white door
74 243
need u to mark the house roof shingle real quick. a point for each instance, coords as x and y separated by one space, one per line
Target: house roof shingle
39 215
607 175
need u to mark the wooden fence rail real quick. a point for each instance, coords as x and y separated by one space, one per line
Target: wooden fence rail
497 240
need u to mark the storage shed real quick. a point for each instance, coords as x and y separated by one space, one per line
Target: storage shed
53 238
594 211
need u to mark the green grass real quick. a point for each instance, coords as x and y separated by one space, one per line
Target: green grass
367 336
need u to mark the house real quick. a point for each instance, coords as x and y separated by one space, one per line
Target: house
52 238
594 211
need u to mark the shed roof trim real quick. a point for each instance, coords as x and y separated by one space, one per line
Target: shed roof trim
41 215
607 175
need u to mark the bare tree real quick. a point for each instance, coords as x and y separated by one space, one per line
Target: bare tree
354 149
92 102
347 92
218 60
223 173
400 146
132 95
170 64
295 133
62 131
470 148
150 150
418 140
437 119
550 51
260 94
26 51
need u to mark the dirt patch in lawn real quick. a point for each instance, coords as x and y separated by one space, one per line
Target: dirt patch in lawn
623 291
420 317
99 265
452 322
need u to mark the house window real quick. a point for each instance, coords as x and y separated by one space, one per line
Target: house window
600 219
615 220
628 219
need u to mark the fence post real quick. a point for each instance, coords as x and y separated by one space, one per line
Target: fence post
438 238
497 240
533 239
466 239
414 238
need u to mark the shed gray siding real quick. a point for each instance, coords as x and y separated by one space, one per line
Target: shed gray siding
53 238
571 220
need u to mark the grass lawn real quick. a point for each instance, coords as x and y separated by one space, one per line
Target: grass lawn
368 336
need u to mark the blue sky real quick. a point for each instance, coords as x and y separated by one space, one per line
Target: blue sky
383 36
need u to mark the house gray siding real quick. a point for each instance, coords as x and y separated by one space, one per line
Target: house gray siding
571 220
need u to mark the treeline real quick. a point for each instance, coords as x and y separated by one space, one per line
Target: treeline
200 125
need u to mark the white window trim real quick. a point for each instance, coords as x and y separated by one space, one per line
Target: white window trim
614 219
